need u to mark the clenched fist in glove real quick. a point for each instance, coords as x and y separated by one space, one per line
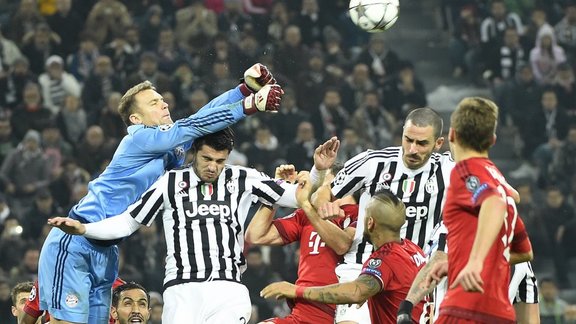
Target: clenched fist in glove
266 99
255 78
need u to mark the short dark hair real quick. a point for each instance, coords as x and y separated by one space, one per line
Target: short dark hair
20 288
220 140
127 286
423 117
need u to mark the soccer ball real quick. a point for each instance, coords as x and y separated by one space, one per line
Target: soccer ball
374 15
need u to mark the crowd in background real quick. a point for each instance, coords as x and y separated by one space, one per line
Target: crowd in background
65 64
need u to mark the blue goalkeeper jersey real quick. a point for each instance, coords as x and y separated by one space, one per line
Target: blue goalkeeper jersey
147 151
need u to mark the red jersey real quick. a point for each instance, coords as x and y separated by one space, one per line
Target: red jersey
471 182
317 261
32 306
395 265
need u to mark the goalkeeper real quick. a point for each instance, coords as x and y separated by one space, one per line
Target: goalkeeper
75 274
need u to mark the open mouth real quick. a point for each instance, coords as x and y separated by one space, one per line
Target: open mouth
136 319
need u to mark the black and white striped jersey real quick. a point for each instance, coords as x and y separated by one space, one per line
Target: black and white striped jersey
421 190
523 286
204 222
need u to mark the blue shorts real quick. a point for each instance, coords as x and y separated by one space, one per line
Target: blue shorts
75 278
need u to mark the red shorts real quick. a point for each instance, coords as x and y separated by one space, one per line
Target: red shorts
448 319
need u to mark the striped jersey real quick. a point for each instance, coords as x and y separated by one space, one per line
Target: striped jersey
422 191
204 222
147 151
523 285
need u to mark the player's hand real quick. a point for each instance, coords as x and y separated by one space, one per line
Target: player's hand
266 99
331 210
325 154
279 290
439 270
405 313
469 278
304 190
286 172
68 225
258 76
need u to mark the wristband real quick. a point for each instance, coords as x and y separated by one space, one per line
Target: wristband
405 307
316 176
300 292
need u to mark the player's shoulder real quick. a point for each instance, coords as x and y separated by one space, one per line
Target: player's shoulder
445 157
387 154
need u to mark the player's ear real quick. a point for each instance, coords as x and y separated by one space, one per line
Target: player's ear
494 136
14 311
439 142
451 135
114 313
135 119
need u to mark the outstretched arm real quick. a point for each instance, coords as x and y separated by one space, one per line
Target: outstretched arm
357 291
108 229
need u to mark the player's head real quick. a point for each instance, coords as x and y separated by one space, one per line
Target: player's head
142 105
385 215
210 154
19 295
130 304
421 136
473 124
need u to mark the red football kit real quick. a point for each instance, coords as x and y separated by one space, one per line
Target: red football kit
32 306
471 182
395 265
316 265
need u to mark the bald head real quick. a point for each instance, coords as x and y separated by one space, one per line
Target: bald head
385 215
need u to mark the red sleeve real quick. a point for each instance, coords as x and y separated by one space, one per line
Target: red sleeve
521 241
350 217
376 268
290 227
32 306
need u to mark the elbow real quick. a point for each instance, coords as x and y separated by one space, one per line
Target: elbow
252 239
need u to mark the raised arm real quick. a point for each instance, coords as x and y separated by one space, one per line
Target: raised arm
261 231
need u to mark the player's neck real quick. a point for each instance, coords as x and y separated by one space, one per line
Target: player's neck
463 153
385 238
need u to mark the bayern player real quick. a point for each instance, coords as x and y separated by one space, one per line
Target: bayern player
322 243
385 277
480 216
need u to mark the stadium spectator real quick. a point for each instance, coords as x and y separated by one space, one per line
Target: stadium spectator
552 307
372 122
82 61
25 171
72 120
106 19
68 24
56 84
545 58
97 88
39 45
330 117
12 83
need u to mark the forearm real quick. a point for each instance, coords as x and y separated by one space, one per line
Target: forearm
317 177
228 97
322 196
331 234
261 231
516 258
343 293
490 221
112 228
417 290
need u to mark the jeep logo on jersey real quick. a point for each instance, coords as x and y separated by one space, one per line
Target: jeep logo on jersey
417 210
205 208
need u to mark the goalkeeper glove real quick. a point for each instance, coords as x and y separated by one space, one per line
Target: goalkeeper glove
255 78
267 99
405 313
